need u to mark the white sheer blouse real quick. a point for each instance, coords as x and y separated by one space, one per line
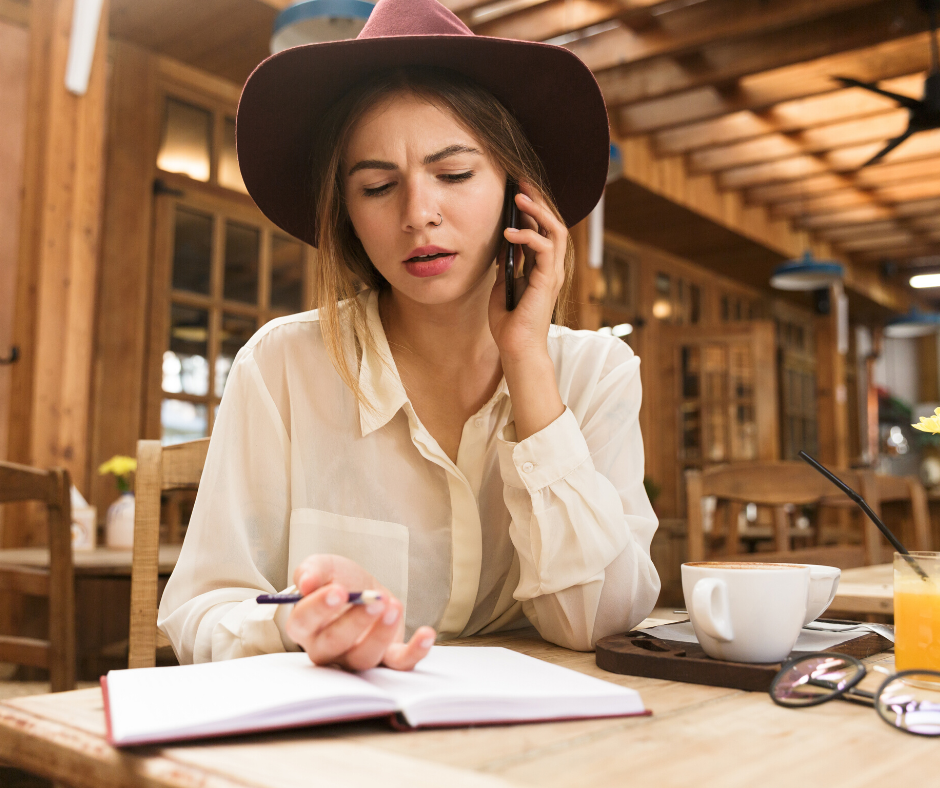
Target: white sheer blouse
554 530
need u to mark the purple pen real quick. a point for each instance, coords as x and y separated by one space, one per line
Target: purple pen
290 597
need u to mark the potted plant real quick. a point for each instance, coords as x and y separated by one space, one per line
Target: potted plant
119 526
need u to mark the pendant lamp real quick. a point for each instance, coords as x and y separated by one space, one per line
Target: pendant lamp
913 324
806 273
316 21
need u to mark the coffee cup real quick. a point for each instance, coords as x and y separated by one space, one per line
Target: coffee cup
823 584
746 612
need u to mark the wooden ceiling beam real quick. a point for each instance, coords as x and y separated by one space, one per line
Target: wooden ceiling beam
899 254
760 91
799 114
870 177
799 188
847 198
894 240
552 19
925 145
837 235
876 128
693 27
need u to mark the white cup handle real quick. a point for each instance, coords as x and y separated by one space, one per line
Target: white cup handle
832 592
714 619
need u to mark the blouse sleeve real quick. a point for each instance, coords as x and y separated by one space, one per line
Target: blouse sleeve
237 540
581 520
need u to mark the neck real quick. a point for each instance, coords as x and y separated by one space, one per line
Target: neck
441 337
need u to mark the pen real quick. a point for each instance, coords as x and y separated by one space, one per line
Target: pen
289 596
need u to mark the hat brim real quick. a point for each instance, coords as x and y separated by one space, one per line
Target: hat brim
550 91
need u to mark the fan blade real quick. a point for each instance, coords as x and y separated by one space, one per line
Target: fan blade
904 101
892 144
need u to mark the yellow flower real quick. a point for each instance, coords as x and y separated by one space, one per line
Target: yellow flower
119 465
929 425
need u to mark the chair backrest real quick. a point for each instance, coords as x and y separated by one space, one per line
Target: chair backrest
908 489
159 469
776 484
57 654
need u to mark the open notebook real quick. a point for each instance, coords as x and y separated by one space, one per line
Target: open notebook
452 686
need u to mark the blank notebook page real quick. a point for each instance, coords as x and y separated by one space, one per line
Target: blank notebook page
235 695
466 684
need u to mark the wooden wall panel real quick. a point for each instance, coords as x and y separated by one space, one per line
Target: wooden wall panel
14 49
58 253
120 335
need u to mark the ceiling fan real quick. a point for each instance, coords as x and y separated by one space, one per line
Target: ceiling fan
924 114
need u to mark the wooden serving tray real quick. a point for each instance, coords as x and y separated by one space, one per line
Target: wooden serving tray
640 654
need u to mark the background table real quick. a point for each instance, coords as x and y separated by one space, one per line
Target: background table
867 589
102 602
698 736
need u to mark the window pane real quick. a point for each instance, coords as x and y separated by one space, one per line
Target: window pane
229 175
189 342
186 143
192 251
236 331
287 274
241 262
181 421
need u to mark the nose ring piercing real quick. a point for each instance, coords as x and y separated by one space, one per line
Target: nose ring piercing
440 222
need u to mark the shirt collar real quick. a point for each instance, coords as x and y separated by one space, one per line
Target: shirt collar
379 381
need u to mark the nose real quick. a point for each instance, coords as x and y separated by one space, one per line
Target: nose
419 209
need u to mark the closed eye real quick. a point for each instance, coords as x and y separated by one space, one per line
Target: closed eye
459 176
377 190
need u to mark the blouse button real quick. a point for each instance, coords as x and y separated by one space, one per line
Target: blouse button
528 467
478 422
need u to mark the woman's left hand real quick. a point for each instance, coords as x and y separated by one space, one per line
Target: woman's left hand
523 332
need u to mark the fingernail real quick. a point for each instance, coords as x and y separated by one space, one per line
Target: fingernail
375 608
302 581
526 197
391 616
427 642
333 599
512 230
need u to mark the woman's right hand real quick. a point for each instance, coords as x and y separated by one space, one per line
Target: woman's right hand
357 637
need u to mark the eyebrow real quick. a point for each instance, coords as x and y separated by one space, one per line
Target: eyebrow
431 158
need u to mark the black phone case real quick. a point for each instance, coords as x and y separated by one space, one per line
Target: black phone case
511 214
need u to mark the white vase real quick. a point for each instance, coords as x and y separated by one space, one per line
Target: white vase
119 527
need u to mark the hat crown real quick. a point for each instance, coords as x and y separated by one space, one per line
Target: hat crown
412 18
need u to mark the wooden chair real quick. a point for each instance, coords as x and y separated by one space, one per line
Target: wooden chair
907 489
159 469
775 485
57 654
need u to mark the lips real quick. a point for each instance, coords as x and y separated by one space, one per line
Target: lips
429 261
424 254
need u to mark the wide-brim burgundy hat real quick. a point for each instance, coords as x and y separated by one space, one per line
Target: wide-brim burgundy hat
552 94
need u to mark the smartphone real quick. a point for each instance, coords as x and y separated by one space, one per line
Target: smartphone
511 215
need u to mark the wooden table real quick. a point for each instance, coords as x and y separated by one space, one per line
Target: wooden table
102 602
867 589
697 736
100 562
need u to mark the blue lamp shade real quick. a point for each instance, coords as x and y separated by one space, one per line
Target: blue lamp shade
806 273
316 21
914 324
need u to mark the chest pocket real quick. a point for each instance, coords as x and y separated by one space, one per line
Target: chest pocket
381 548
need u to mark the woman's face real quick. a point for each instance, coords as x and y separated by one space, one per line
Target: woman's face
409 166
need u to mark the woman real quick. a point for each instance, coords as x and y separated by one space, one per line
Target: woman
481 468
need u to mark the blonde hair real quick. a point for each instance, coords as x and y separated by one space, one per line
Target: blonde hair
343 267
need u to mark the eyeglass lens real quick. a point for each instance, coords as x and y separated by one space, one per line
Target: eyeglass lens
911 701
810 681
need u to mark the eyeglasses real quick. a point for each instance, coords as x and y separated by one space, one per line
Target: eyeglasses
909 700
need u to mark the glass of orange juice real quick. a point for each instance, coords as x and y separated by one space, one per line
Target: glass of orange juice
917 612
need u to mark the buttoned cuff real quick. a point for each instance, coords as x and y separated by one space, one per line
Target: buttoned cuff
249 629
543 458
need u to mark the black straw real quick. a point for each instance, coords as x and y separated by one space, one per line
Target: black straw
868 511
